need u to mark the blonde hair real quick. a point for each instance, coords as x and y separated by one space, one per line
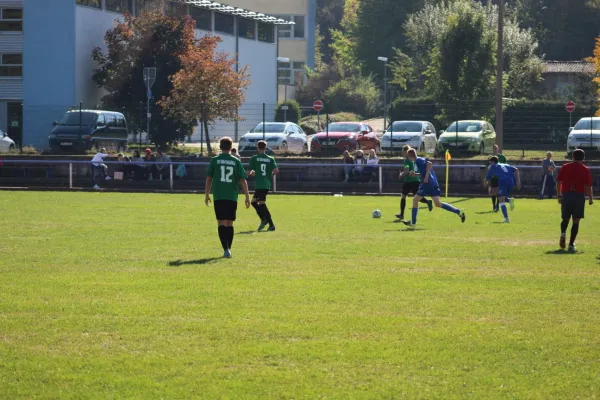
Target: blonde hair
372 154
359 153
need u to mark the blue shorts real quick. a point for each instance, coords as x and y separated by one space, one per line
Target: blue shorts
504 191
429 190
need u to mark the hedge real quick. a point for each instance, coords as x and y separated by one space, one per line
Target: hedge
310 124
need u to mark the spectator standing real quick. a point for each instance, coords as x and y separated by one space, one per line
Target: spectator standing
548 176
99 169
349 168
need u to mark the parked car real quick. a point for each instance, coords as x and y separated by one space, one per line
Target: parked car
342 136
419 135
6 143
584 135
281 137
469 136
78 131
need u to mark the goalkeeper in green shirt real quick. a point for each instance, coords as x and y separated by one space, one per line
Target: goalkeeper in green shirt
262 167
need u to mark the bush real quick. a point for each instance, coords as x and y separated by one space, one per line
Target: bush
311 126
293 113
356 94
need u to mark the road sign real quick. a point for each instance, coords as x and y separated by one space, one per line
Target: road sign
149 76
570 107
285 108
318 105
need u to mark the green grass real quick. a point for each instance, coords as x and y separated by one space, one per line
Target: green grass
122 296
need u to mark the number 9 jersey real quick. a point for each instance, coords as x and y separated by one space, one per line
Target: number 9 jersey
226 171
263 165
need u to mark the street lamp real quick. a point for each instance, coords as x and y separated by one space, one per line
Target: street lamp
282 60
385 61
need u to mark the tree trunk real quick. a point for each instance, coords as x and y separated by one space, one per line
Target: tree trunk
207 136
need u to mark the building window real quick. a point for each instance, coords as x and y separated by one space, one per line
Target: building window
11 65
291 73
177 10
266 32
120 6
90 3
202 17
246 28
12 20
224 23
296 31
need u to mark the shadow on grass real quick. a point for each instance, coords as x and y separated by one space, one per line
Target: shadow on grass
246 233
202 261
561 252
486 212
405 230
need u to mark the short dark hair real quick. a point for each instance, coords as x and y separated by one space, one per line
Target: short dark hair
261 145
494 159
412 152
226 144
579 155
406 148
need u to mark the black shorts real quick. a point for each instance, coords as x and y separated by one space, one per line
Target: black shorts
225 210
410 187
260 194
573 205
494 181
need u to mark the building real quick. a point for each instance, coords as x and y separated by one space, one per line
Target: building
296 42
568 78
45 49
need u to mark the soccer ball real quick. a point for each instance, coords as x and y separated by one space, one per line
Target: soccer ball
376 214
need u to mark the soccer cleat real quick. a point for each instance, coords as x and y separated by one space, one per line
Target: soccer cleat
271 228
409 224
430 205
262 225
400 216
227 254
496 210
563 242
506 221
463 217
572 248
512 203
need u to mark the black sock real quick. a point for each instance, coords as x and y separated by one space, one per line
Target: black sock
563 226
230 234
494 201
258 211
425 201
402 206
223 236
267 214
574 232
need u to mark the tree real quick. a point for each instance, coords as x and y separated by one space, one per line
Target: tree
329 15
596 60
292 114
151 39
207 87
345 46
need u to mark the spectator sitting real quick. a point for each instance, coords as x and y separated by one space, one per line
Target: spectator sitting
126 168
181 171
235 154
349 168
548 176
99 169
149 158
360 161
138 165
162 169
372 168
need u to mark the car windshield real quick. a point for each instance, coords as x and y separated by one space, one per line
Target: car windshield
406 127
465 127
76 118
338 127
587 124
269 128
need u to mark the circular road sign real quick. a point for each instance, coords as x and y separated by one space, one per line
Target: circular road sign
570 107
318 105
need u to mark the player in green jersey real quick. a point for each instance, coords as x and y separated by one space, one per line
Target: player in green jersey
411 183
262 167
225 176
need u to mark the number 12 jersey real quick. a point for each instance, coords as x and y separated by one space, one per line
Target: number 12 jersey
226 171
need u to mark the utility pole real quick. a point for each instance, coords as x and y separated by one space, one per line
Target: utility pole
499 77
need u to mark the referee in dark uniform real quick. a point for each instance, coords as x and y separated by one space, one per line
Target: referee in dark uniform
573 184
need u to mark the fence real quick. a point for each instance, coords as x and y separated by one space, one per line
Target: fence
297 177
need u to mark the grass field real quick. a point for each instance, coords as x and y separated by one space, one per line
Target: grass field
122 296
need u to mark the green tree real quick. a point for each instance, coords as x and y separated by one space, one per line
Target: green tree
292 114
329 16
345 45
151 39
355 94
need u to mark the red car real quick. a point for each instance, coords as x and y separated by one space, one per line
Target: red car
346 136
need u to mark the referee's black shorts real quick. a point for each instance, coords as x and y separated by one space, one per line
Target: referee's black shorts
573 205
494 182
226 210
410 187
260 195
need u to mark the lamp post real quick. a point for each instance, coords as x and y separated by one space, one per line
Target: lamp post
281 60
499 77
385 61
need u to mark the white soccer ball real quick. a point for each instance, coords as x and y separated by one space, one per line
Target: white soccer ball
376 214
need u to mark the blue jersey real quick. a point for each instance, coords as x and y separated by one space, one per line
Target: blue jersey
421 164
505 174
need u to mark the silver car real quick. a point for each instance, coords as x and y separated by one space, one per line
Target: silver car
584 135
281 137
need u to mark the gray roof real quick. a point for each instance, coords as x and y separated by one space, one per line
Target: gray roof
224 8
569 67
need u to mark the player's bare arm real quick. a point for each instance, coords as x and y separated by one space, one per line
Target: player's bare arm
427 172
251 172
590 194
559 191
276 171
244 185
208 187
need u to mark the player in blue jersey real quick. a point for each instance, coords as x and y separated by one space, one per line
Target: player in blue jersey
429 187
508 178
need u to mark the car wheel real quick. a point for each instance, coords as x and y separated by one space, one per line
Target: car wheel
284 147
482 149
11 147
422 148
305 149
